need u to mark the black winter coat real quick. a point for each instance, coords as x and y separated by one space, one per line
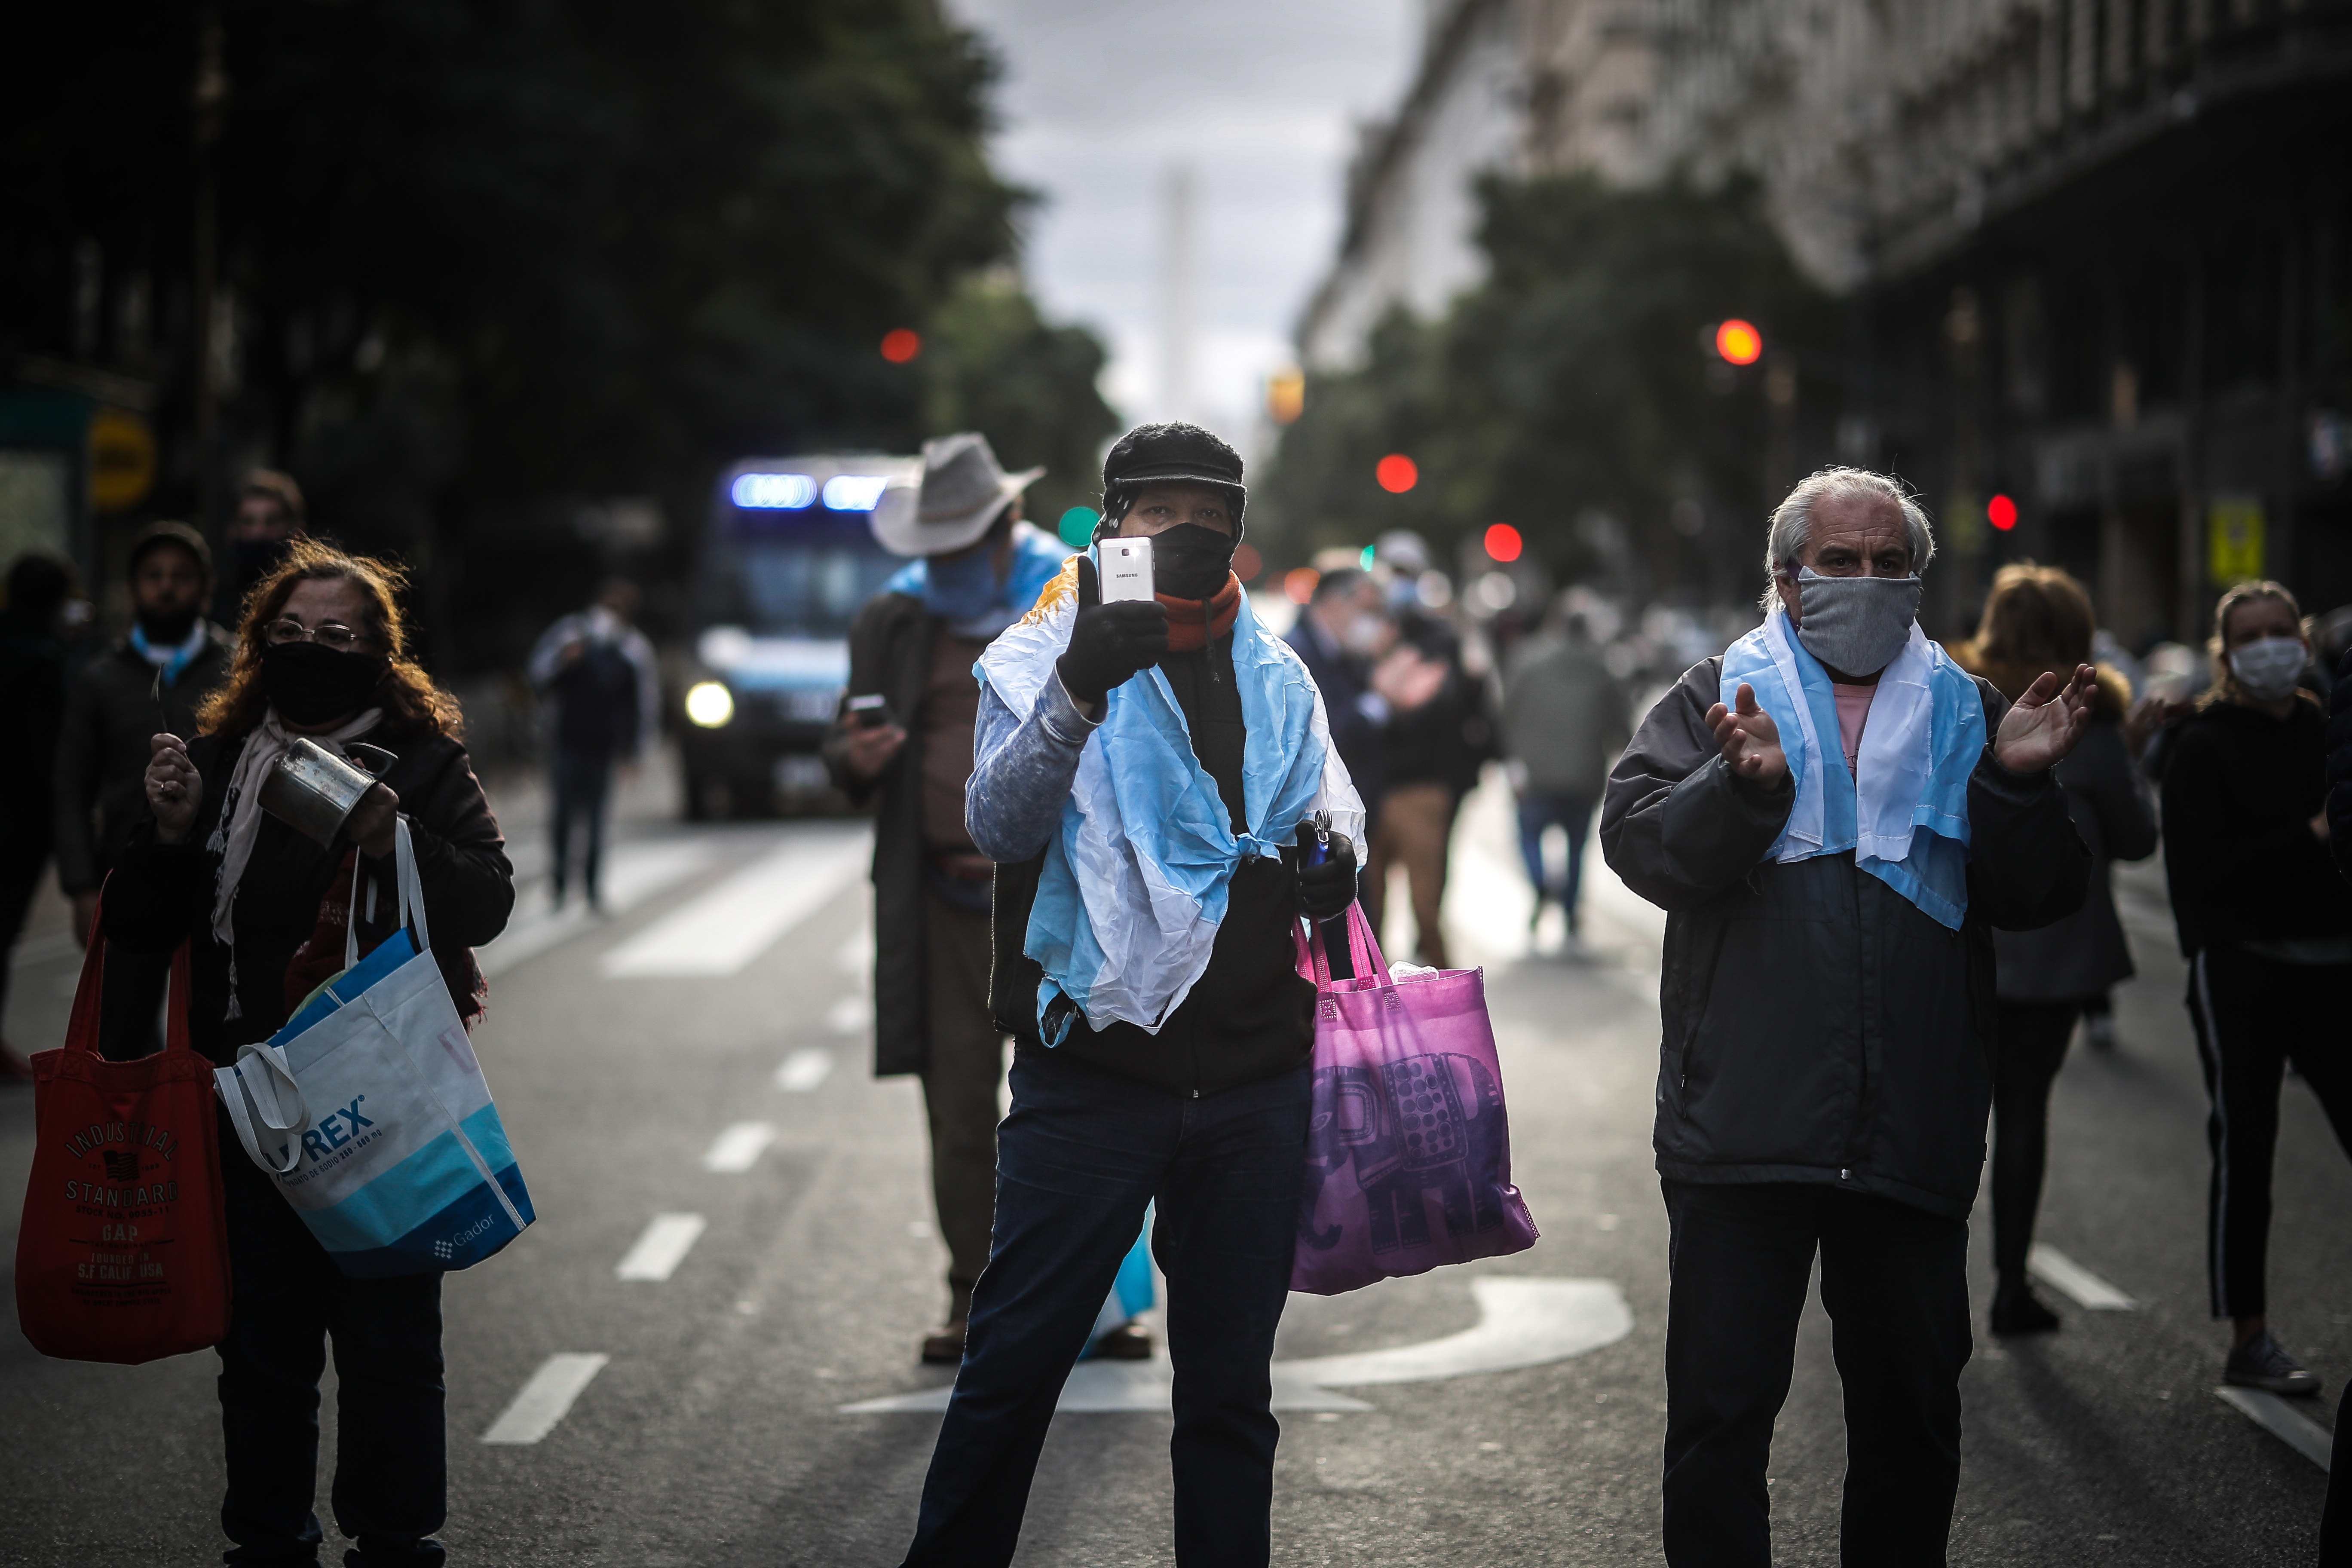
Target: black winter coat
890 653
1817 1027
2239 857
112 709
161 893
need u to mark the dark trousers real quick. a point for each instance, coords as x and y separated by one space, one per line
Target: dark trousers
583 783
390 1481
1574 814
1894 1280
21 865
2254 1015
2335 1518
2033 1036
960 1072
1078 1159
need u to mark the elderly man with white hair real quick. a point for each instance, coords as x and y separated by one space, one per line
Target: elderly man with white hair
1834 816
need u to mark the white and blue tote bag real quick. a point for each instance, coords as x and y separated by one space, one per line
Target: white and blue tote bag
369 1110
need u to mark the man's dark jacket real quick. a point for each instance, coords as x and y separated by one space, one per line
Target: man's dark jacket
1819 1027
890 653
102 767
161 893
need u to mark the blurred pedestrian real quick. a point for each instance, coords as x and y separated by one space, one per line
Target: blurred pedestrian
1828 915
596 670
1438 737
32 707
2038 619
271 515
903 744
1564 721
1339 635
2336 1517
322 653
2267 925
1147 906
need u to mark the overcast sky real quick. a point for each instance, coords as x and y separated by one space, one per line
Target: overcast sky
1260 98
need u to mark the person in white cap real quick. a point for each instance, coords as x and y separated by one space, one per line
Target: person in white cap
978 568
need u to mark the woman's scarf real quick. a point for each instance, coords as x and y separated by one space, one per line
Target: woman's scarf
1905 819
1136 880
240 815
1192 621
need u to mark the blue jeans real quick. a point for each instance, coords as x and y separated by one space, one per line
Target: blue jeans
1537 812
1080 1156
583 781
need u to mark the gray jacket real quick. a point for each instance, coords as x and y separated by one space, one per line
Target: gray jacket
1819 1027
1564 717
2083 954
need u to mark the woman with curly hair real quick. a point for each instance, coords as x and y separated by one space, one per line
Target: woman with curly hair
2267 925
2038 618
322 653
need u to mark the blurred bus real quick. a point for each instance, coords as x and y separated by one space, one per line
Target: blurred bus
787 561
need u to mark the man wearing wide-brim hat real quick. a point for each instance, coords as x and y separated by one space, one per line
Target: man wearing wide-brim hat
977 569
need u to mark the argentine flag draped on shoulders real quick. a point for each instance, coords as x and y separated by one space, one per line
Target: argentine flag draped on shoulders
1906 819
1136 876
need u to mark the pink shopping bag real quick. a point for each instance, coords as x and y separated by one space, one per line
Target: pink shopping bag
1408 1147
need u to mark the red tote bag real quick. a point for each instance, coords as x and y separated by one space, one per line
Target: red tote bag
123 1256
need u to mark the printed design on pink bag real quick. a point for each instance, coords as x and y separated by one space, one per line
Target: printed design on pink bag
1447 1135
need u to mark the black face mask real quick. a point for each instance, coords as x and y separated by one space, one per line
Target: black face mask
310 684
168 632
1190 561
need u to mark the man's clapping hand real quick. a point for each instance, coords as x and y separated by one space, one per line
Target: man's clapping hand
2042 725
1750 740
1109 643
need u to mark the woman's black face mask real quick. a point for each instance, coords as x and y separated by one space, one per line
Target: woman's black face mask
1190 561
310 684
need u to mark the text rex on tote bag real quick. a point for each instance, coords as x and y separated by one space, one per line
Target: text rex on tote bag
123 1256
369 1110
1408 1149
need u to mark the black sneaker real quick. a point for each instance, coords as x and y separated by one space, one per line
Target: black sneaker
2260 1364
2017 1311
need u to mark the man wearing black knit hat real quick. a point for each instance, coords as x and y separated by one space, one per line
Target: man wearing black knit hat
1147 903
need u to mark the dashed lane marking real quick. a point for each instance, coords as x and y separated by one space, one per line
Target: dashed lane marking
724 929
633 873
662 1247
850 1015
804 1070
738 1148
2281 1419
546 1398
2060 1272
1521 1322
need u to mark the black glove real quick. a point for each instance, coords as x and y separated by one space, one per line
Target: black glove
1110 642
1325 892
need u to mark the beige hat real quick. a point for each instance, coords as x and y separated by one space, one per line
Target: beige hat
963 491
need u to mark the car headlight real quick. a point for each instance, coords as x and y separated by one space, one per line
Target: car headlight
710 704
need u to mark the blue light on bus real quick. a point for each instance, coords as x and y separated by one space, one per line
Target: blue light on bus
855 492
776 492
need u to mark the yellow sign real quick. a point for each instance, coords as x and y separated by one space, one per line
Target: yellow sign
2233 538
1285 396
122 459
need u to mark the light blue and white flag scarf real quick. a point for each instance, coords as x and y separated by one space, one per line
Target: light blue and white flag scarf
1136 880
1906 819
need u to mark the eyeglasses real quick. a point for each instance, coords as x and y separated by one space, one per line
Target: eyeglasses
326 633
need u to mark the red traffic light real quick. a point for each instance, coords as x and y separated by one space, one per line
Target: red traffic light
1502 542
2002 512
1397 473
899 345
1738 341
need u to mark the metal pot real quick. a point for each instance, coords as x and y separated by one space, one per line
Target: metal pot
313 790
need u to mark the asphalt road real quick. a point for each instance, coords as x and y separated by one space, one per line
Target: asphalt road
720 1020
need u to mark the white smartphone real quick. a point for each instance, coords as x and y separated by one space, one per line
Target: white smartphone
1126 568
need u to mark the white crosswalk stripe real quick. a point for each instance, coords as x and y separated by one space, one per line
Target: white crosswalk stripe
662 1247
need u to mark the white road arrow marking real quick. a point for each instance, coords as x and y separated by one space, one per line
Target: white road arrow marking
804 1070
1521 1323
545 1399
662 1247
